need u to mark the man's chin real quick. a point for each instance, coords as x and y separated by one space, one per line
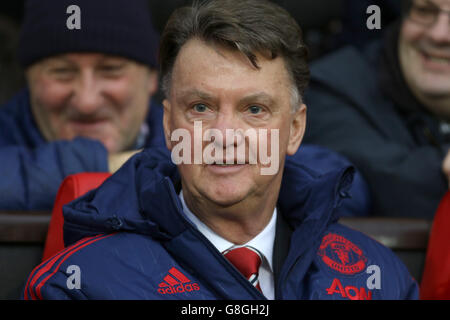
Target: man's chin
431 87
224 199
112 145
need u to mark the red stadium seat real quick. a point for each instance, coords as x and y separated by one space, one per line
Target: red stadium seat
71 188
435 283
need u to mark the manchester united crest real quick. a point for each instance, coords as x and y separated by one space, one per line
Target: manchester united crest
341 254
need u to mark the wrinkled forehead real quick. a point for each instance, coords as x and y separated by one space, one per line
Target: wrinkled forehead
205 64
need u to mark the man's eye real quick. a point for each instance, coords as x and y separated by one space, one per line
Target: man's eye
200 107
427 10
61 70
62 73
255 109
111 69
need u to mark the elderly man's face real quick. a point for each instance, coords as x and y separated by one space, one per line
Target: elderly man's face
221 88
425 48
91 95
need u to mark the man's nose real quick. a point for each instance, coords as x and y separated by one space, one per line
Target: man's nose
229 125
439 32
87 96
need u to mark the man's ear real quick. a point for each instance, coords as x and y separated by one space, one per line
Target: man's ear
297 132
166 123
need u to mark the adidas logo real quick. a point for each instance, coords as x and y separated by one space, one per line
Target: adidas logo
176 282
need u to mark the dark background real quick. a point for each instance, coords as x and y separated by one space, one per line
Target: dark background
327 26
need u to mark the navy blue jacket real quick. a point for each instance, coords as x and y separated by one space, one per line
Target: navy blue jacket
32 169
129 239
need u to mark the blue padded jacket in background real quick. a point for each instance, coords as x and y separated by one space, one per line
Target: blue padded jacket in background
129 239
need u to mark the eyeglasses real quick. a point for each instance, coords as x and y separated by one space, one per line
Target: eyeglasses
425 13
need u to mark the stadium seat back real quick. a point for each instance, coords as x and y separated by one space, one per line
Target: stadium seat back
435 283
72 187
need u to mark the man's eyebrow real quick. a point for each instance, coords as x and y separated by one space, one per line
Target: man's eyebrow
428 2
110 57
197 93
59 59
261 97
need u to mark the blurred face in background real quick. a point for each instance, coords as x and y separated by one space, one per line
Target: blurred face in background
91 95
424 50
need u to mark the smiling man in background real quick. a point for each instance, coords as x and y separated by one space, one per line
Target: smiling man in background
387 108
88 102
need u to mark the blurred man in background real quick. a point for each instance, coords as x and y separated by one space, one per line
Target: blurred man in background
387 108
88 102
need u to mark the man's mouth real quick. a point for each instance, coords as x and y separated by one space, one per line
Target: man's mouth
90 125
441 60
224 168
438 62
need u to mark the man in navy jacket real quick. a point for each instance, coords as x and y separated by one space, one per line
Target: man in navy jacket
234 218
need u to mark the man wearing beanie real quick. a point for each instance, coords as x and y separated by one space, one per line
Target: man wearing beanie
91 73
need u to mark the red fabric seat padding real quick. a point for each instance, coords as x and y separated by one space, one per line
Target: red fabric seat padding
72 187
435 284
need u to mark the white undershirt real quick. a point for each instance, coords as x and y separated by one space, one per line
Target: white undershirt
263 242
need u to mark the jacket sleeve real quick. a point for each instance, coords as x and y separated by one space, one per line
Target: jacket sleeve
398 275
50 285
404 181
30 178
413 292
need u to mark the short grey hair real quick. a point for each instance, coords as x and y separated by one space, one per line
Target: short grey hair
249 26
